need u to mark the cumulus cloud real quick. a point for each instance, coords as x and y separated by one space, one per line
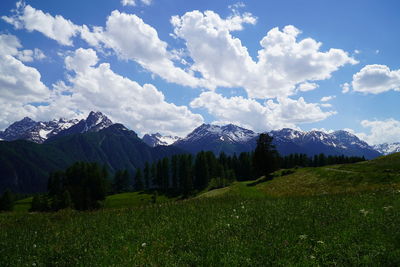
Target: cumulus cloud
327 98
251 114
385 131
376 79
345 88
19 84
304 87
131 38
97 87
54 27
283 62
10 45
133 2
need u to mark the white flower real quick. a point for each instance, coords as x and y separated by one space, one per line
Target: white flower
312 257
234 210
242 207
364 212
320 242
302 236
237 217
143 245
388 208
34 245
33 264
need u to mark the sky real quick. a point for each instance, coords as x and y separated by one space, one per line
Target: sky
170 65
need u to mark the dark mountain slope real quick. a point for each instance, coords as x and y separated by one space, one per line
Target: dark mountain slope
25 165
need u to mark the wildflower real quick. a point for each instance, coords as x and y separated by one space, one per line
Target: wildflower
237 217
320 242
364 212
234 210
312 257
228 225
242 207
34 245
143 245
388 208
34 264
302 236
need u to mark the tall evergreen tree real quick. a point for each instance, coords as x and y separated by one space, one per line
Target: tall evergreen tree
7 201
146 175
174 172
265 157
165 174
139 180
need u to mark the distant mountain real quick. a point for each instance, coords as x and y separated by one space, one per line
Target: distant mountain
229 139
290 141
388 148
95 122
233 139
159 140
38 132
25 165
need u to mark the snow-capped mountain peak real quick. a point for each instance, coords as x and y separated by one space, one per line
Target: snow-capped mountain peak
38 132
388 148
159 140
228 133
96 121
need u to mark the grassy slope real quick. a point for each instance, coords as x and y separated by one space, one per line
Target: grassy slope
245 224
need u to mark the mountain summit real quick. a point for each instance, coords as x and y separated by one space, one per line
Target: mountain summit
229 139
38 132
157 139
94 122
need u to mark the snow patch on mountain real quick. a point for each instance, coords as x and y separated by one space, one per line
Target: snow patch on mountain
38 132
388 148
227 133
159 140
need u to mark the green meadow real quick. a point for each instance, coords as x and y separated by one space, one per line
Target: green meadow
336 215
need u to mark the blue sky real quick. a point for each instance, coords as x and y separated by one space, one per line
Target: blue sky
169 65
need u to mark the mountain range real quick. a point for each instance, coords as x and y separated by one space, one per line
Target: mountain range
31 149
234 139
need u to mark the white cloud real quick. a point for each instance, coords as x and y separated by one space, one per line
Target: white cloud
54 27
283 62
386 131
260 117
10 45
304 87
19 84
131 38
327 98
28 55
133 2
356 51
345 88
376 79
142 107
128 2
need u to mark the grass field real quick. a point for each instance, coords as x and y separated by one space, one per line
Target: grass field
321 216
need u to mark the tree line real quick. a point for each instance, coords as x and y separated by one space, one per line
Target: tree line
84 185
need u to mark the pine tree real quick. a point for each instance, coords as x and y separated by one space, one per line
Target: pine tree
265 157
146 176
165 174
174 172
7 201
139 180
153 174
